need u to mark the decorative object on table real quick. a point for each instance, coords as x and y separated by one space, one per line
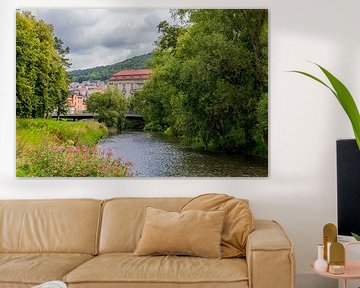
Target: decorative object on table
336 269
333 252
337 258
320 264
329 236
344 273
52 284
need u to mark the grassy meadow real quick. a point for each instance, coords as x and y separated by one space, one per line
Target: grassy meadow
50 148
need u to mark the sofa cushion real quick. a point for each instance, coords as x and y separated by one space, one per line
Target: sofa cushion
238 223
36 268
63 226
193 232
126 268
123 220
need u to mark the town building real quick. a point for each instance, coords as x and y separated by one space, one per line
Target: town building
76 104
94 89
86 88
130 81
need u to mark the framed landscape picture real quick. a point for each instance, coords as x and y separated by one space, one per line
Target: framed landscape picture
142 92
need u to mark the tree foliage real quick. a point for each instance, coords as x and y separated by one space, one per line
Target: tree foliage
105 72
111 107
209 81
41 77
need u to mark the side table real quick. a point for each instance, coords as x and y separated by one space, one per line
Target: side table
352 268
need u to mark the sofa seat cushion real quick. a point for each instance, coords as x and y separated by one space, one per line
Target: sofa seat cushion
127 268
36 268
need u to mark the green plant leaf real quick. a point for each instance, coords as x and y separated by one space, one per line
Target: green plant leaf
344 97
346 100
356 236
316 79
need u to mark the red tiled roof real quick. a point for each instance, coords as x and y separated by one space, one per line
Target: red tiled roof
132 72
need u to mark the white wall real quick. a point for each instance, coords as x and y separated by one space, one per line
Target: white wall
304 121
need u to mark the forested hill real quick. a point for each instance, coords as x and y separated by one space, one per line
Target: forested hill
104 72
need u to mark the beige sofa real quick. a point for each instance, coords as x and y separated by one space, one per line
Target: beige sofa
89 243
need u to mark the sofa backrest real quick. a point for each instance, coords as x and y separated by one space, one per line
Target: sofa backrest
67 226
123 220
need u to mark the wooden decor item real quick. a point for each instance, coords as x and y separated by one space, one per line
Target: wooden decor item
337 254
330 236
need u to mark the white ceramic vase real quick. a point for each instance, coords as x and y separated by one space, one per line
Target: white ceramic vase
320 264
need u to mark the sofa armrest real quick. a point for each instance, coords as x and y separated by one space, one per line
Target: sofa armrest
269 256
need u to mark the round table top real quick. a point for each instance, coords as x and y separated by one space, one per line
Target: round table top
352 271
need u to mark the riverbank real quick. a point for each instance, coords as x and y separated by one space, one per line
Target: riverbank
50 148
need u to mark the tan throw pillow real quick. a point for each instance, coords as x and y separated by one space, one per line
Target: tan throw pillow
239 220
196 233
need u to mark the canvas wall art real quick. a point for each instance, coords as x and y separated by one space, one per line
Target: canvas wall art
141 93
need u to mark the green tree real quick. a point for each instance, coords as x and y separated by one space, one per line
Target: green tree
62 51
26 74
41 77
209 79
111 107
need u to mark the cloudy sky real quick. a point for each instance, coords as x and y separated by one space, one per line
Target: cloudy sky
104 36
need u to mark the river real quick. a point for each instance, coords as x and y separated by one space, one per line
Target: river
154 155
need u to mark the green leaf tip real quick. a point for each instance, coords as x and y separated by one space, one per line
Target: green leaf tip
356 236
343 95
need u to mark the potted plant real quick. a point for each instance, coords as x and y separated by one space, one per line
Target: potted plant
346 100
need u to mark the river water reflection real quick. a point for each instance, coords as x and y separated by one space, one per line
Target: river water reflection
154 155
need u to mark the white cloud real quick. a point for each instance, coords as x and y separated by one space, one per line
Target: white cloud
104 36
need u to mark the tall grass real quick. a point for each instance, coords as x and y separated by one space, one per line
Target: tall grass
47 148
43 131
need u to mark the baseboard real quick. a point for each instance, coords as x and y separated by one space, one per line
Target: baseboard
310 280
